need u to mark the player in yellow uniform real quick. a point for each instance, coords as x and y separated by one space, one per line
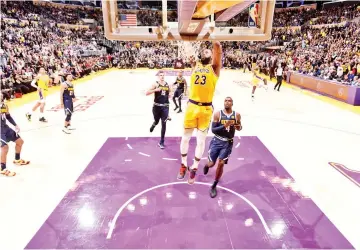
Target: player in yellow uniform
256 79
199 111
42 87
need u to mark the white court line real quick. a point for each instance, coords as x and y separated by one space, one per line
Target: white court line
237 145
128 160
129 146
113 222
227 228
170 159
126 138
204 158
144 154
241 159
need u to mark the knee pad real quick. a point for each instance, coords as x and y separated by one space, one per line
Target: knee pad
187 134
68 117
201 137
184 145
200 143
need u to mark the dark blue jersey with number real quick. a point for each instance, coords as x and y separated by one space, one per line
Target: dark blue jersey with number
68 93
162 96
228 132
180 83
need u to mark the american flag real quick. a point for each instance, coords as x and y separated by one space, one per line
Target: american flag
128 20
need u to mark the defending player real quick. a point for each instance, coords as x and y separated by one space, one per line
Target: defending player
224 124
181 88
67 97
42 80
7 135
161 91
199 110
256 79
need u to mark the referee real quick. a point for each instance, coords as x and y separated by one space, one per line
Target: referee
279 77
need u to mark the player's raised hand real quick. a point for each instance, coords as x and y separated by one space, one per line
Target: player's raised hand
217 43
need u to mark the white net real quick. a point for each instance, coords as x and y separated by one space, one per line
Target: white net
187 49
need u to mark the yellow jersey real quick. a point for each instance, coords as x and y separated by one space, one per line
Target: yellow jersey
203 83
43 82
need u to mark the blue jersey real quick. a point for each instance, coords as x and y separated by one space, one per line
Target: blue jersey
228 132
162 96
68 93
4 111
180 83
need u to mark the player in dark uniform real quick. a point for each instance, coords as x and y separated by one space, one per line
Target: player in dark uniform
67 97
224 124
247 64
7 135
181 87
161 91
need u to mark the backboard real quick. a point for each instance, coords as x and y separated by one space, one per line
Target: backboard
222 20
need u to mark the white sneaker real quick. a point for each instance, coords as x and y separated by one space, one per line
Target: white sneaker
71 128
66 131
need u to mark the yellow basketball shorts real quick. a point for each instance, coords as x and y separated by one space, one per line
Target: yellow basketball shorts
198 117
255 81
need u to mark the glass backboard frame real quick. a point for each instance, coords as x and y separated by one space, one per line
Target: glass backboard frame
170 30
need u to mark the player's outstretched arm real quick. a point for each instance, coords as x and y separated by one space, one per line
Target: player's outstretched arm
192 62
33 82
152 90
217 57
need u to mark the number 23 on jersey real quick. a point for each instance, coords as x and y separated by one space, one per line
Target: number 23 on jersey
200 79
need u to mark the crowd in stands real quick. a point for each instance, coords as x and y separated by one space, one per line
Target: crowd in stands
35 41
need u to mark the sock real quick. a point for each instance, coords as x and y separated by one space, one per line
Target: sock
17 156
214 184
163 131
3 166
195 165
184 160
184 145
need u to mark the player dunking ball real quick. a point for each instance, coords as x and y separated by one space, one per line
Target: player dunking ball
224 124
199 110
181 87
43 86
67 97
161 91
7 135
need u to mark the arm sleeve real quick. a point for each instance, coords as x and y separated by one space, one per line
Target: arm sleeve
216 127
10 119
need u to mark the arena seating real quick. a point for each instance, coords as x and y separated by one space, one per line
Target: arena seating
32 39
